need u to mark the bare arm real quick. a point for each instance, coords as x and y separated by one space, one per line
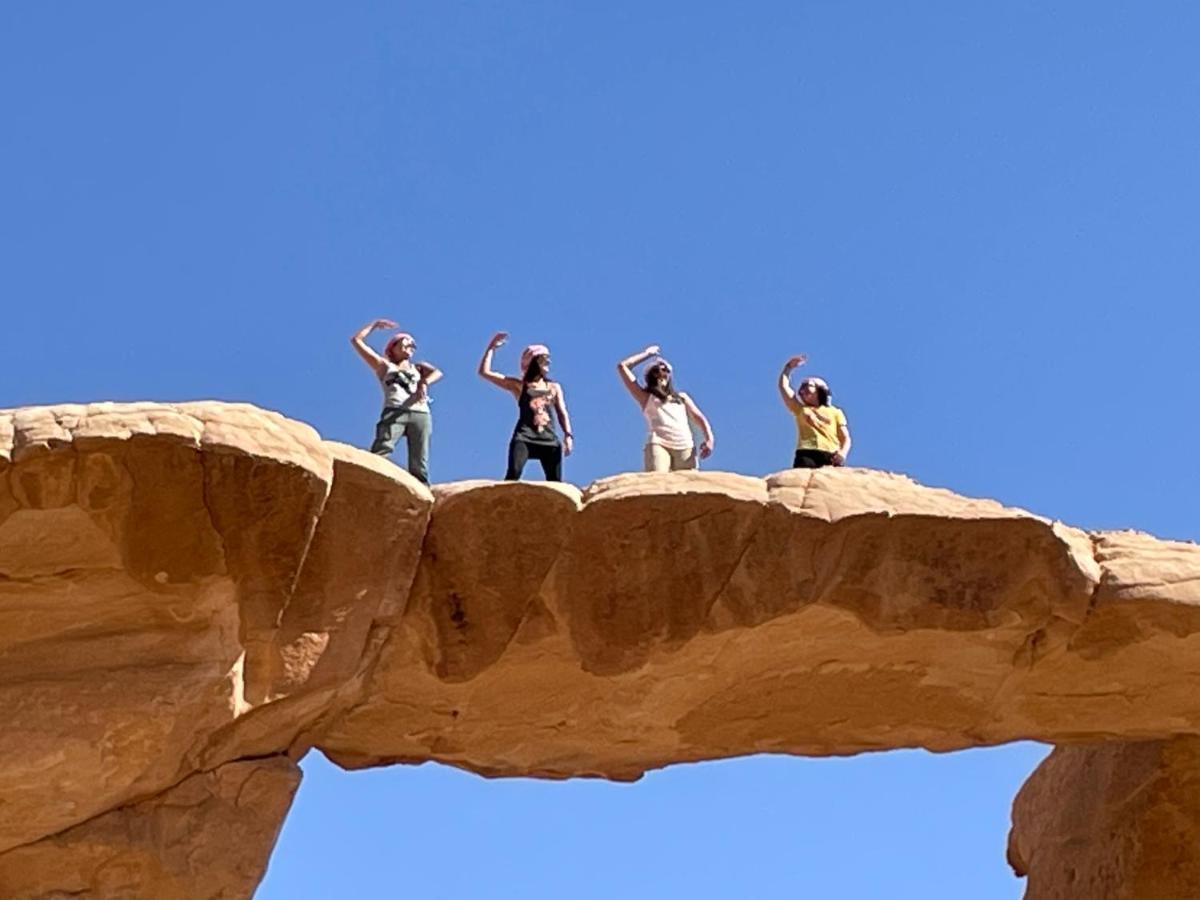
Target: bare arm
625 370
358 341
430 374
694 413
512 385
564 419
785 383
839 458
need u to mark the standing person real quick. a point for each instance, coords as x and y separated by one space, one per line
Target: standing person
670 445
822 436
534 435
405 395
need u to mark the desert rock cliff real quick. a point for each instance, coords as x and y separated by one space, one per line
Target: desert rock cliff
194 595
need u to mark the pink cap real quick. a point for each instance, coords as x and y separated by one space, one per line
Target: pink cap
394 340
530 352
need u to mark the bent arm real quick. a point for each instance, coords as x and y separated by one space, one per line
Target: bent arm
430 374
560 408
358 341
699 418
625 370
488 374
785 383
843 442
785 390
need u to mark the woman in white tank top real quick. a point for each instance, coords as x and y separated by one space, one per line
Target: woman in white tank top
670 445
405 385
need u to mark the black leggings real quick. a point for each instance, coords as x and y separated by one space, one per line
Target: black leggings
549 455
812 459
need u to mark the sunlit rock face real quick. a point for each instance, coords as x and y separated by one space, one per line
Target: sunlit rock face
659 618
1111 822
207 837
186 589
180 586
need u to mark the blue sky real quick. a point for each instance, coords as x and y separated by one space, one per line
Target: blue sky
979 221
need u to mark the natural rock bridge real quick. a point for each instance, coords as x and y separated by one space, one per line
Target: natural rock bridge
194 595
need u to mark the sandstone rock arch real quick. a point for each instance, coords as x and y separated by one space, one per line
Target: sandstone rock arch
194 595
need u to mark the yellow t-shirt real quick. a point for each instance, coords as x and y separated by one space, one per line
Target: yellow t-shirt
817 428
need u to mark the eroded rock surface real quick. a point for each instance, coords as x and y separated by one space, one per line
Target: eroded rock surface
187 586
207 838
172 578
662 618
1111 822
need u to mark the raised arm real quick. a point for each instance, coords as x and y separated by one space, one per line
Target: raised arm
560 407
512 385
625 370
785 382
358 341
693 411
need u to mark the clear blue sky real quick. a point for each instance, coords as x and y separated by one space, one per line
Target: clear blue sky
978 219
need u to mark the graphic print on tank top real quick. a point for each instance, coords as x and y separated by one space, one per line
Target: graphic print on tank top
534 424
399 385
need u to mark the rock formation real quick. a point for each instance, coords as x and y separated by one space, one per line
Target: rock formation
208 836
194 595
1111 822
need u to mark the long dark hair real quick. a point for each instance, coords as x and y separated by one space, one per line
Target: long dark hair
534 370
823 392
664 391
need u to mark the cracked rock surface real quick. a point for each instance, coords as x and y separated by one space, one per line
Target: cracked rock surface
206 838
186 589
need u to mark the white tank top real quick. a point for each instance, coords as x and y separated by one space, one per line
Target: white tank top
399 384
668 423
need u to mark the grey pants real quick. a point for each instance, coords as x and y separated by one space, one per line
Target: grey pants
416 427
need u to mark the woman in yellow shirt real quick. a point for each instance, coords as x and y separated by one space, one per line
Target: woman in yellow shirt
822 436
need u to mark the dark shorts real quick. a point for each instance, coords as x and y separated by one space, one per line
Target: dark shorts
812 459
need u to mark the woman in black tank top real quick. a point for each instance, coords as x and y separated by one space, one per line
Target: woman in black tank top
538 400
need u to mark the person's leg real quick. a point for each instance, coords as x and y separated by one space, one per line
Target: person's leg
682 460
518 455
656 458
387 432
418 431
551 459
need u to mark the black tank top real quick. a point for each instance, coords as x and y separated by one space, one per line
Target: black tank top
534 422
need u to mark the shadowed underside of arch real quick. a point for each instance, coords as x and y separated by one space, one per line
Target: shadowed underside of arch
194 595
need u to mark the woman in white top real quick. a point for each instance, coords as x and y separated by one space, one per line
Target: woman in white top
405 395
669 413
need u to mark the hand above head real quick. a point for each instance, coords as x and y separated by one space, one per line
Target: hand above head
797 360
380 324
498 339
653 350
